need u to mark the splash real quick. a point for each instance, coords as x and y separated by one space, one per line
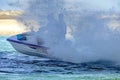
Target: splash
75 35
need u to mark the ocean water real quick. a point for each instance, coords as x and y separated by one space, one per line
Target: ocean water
17 66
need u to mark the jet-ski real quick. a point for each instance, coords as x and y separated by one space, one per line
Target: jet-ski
26 43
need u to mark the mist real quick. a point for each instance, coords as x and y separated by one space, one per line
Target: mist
75 33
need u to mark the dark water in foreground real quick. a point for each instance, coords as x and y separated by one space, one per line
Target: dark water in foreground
16 66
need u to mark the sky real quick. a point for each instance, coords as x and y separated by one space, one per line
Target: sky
4 5
12 4
93 4
97 4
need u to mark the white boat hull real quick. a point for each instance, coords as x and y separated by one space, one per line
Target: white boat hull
28 48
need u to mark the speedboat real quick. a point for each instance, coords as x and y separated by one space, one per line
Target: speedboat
21 42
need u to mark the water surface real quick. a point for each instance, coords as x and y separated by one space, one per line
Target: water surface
17 66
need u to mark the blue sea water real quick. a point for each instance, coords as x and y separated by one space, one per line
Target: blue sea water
17 66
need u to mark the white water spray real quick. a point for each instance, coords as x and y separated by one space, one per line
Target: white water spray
94 35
